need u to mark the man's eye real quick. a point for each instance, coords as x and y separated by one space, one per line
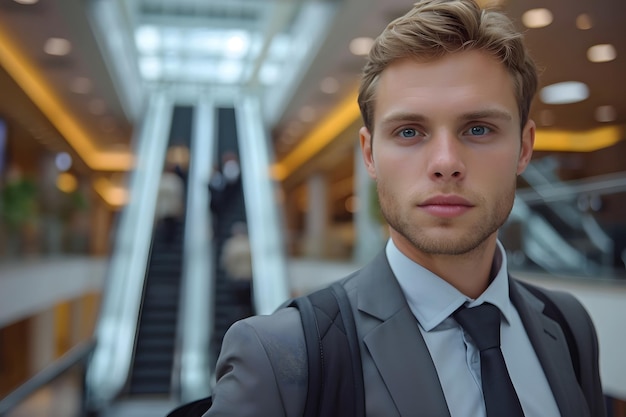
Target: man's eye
479 130
408 133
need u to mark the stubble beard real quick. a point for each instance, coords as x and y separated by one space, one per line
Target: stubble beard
464 242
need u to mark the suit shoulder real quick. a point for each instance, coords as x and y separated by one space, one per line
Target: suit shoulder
283 327
262 366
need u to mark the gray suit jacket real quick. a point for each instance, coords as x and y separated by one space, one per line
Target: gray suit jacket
262 368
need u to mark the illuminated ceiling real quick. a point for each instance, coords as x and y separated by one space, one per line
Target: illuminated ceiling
121 48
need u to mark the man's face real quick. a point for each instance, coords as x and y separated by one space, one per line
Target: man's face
447 149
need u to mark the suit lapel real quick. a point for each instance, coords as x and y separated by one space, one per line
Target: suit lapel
396 345
549 343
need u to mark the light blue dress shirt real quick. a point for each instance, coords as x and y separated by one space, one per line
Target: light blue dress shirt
432 300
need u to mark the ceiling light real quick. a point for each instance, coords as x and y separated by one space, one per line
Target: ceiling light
147 39
81 85
361 46
537 18
150 67
605 114
270 73
63 161
28 2
288 140
57 46
583 22
236 44
564 93
97 106
329 85
295 129
66 182
601 53
307 114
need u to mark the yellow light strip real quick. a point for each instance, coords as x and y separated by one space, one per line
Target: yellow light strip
340 119
27 77
587 141
115 196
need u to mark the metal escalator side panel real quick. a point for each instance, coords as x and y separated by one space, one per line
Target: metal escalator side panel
265 229
109 366
197 299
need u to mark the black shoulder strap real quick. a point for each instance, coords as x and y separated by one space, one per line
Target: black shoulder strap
552 310
335 382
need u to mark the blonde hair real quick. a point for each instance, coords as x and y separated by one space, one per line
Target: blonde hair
434 28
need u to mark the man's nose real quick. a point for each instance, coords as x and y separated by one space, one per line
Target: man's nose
446 158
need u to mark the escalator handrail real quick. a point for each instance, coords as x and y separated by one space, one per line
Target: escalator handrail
194 324
109 366
567 190
264 228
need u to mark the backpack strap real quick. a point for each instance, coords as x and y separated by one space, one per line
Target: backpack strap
335 375
552 310
582 342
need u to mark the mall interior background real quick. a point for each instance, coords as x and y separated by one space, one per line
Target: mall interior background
97 97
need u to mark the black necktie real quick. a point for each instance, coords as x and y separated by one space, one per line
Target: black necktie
483 325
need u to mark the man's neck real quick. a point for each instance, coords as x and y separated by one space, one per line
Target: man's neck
470 273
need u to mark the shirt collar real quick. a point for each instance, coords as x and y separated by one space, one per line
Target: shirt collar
432 299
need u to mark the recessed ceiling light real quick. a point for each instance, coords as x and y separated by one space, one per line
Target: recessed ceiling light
57 46
537 18
295 128
67 182
81 85
329 85
147 39
307 114
564 93
237 44
26 1
63 161
583 21
605 114
361 46
288 140
97 106
601 53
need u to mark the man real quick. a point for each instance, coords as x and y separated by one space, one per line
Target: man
445 100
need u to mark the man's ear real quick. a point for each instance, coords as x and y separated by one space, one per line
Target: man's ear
365 138
528 141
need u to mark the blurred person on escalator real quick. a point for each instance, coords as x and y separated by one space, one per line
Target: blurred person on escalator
170 202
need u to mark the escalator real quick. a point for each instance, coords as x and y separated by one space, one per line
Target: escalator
152 367
548 230
151 371
169 303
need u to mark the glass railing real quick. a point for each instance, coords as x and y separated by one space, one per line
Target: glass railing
57 390
571 228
